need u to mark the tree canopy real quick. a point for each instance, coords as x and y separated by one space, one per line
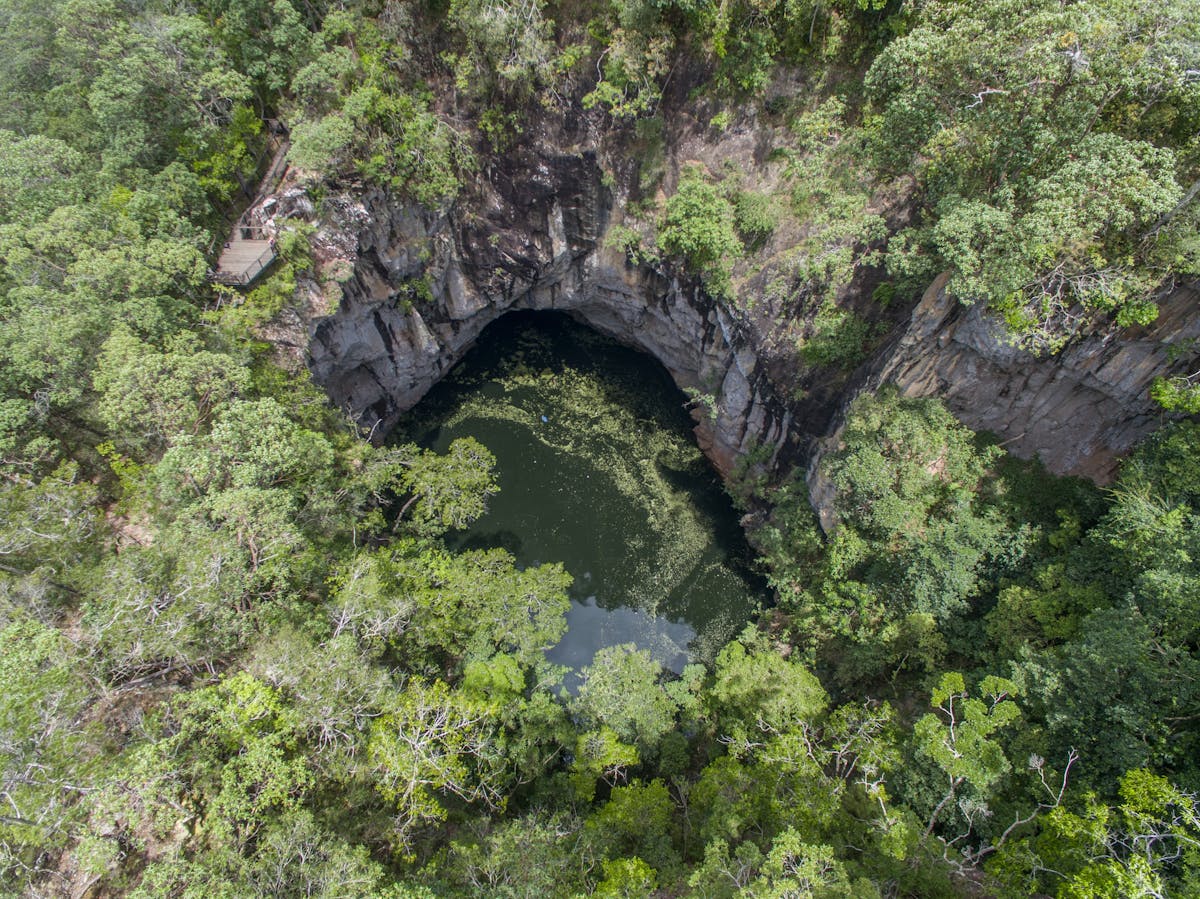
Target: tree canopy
239 653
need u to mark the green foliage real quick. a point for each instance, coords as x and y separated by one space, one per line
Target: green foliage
920 525
268 39
698 226
839 338
622 690
904 461
538 854
1144 844
294 856
820 127
356 114
236 657
831 193
322 145
69 282
637 821
1107 691
635 62
1176 394
170 605
796 868
1049 610
755 217
625 238
958 737
37 175
450 491
252 444
47 753
438 605
225 160
507 47
148 397
599 756
627 878
50 528
755 689
434 742
1011 137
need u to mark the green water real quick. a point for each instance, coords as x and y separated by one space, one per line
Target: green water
598 469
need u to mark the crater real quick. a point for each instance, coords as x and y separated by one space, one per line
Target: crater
598 469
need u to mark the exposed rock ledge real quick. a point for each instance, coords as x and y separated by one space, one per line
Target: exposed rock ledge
420 287
538 247
1080 411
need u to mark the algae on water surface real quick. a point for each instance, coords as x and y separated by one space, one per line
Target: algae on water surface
599 470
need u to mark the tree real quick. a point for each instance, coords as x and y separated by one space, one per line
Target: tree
65 284
626 878
180 603
434 741
354 114
756 691
698 226
1120 689
958 735
268 40
637 822
600 755
50 529
1013 115
794 868
148 397
439 608
47 753
252 443
1145 844
962 736
507 46
920 528
540 853
333 692
38 174
172 76
622 690
446 491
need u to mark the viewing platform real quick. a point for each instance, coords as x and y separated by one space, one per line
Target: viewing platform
244 259
250 249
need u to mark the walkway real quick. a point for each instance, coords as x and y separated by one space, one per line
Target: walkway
250 249
243 260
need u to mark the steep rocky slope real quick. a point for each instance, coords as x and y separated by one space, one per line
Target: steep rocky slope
417 288
1079 411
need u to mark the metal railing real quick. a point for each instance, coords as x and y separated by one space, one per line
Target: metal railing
248 226
241 279
249 230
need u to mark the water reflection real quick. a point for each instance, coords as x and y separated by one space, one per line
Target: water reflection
590 628
598 470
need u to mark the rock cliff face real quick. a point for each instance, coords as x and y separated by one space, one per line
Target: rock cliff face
1079 411
418 288
424 287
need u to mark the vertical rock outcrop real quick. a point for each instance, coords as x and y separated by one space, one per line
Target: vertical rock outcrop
1079 411
419 287
424 286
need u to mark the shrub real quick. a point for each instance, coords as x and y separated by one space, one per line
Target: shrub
699 228
755 216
